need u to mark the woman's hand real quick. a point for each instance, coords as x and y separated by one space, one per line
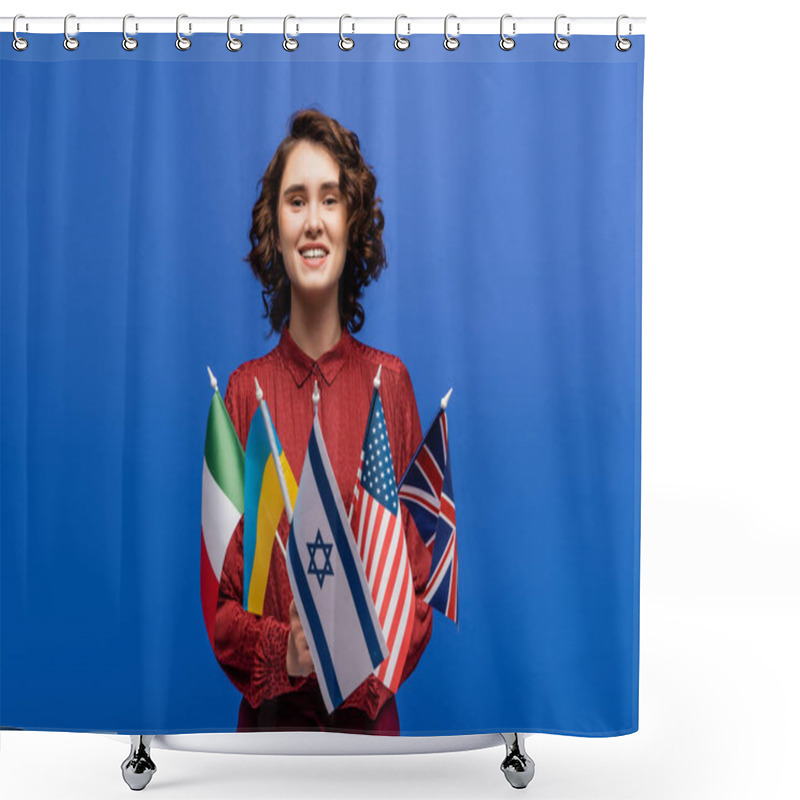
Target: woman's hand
298 657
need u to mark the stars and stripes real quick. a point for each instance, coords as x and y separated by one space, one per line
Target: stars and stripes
376 521
427 491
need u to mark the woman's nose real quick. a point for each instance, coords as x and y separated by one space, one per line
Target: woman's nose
314 219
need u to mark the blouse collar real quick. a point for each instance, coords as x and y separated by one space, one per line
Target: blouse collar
301 365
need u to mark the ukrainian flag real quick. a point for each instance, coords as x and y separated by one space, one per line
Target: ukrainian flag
263 507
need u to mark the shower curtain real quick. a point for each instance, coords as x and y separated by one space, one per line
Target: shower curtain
509 184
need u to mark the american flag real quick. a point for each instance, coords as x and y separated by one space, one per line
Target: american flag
427 491
375 518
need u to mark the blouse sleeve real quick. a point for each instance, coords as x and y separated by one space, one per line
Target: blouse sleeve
251 649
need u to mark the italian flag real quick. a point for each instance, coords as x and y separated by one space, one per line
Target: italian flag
223 502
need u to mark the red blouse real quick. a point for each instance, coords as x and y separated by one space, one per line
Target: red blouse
252 649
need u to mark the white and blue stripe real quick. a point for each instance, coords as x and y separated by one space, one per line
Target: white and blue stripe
338 614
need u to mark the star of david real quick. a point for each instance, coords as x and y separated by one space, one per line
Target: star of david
313 569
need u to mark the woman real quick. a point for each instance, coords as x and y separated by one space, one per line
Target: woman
316 243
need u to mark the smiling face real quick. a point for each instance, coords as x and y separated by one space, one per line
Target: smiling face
312 223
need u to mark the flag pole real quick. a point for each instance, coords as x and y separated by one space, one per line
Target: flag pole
214 384
276 460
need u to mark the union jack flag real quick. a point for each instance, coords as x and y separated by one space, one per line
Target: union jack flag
427 491
375 519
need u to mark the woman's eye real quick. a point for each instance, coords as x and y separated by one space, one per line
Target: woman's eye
296 202
330 201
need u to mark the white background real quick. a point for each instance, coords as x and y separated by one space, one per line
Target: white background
720 448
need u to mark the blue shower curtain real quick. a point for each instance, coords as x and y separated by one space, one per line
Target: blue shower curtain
511 188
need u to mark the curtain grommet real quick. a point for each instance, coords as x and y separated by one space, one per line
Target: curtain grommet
401 43
128 42
622 44
451 42
181 42
345 42
233 44
289 43
507 42
70 42
18 43
561 43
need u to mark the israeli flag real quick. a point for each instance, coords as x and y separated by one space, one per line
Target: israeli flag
330 588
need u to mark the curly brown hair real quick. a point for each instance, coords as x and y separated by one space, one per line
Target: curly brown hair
366 256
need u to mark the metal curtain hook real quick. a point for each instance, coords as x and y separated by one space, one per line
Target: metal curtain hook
560 43
70 42
128 42
400 42
451 42
507 42
344 42
233 44
181 42
19 44
289 44
623 45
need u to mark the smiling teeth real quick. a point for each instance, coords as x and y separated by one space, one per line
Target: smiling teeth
316 253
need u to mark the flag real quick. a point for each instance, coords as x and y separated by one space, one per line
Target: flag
427 491
222 503
376 521
328 582
263 507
